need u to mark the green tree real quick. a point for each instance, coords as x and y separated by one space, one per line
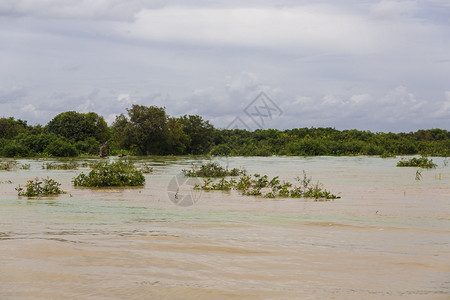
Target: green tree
61 148
148 130
79 126
12 149
36 143
200 133
10 127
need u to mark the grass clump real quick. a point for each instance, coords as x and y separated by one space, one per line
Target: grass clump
213 170
71 165
421 162
105 174
260 185
40 187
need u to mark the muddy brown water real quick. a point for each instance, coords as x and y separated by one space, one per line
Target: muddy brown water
388 236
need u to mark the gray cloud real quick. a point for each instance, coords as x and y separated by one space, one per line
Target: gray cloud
379 65
12 94
115 10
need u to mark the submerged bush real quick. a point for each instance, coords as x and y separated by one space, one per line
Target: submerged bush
146 168
212 170
421 162
71 165
118 173
25 166
8 165
258 185
43 187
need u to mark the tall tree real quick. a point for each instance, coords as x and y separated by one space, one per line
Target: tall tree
10 127
148 130
200 132
77 126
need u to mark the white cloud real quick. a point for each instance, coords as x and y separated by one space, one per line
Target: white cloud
244 83
306 27
86 106
332 100
398 95
360 99
125 98
446 104
28 108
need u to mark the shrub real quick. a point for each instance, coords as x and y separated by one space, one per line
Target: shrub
258 185
43 187
421 162
118 173
212 170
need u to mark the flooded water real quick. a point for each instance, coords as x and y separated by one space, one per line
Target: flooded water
388 236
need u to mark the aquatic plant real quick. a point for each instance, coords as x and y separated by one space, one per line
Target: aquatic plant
42 187
8 165
25 166
71 165
260 185
212 170
120 173
221 185
421 162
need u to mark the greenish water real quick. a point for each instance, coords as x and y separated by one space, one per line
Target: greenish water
386 238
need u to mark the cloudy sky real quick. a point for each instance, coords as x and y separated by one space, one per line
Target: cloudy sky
368 64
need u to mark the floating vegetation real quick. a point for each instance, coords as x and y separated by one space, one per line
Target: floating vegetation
6 181
25 166
446 161
8 165
212 170
421 162
71 165
260 185
104 174
43 187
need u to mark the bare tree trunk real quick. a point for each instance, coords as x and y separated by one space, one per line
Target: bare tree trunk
104 150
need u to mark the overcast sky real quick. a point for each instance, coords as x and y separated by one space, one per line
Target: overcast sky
369 64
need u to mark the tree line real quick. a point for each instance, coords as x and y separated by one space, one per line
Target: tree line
149 130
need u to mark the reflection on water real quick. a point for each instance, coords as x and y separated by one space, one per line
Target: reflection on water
387 238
